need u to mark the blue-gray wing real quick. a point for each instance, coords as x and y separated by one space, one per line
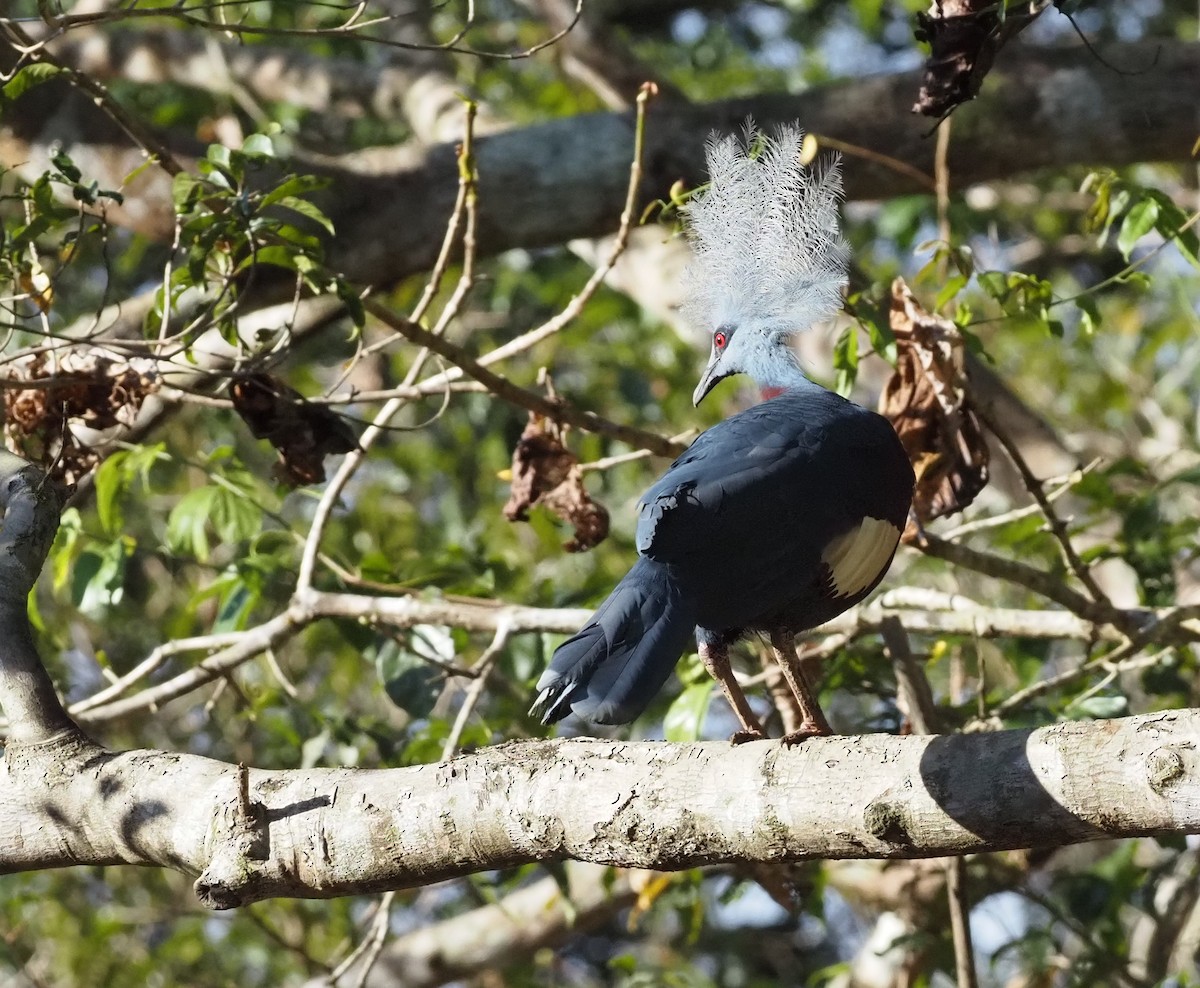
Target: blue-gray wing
747 512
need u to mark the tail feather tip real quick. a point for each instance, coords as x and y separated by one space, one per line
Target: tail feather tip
552 701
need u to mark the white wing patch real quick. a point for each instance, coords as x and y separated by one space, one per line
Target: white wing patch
856 558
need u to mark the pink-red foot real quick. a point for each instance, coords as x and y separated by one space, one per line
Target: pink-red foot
804 732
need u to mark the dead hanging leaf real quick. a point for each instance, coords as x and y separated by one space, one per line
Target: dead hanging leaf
67 398
963 38
545 472
929 406
302 433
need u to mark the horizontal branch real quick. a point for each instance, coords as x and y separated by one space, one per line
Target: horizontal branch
1049 585
543 914
487 616
564 179
334 832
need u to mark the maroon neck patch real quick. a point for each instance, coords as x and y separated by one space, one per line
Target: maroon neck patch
769 393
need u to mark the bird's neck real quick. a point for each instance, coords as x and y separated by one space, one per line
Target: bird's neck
776 370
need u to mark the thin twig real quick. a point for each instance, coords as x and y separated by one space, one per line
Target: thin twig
353 460
379 932
915 695
555 409
620 459
960 928
101 97
1033 691
1016 514
383 908
941 173
1039 581
352 27
887 161
482 669
153 661
1057 526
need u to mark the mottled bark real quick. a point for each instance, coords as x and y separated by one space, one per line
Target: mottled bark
551 182
332 832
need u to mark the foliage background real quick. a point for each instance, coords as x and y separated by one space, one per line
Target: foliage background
1087 310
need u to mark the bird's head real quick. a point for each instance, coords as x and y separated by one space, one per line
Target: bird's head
769 259
760 349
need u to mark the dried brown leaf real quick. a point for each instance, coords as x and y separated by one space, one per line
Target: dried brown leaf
962 46
302 433
928 404
89 389
545 472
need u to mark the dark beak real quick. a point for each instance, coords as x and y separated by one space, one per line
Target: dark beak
709 379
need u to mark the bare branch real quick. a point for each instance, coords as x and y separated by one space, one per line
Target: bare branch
543 914
1039 581
333 832
390 215
31 506
552 408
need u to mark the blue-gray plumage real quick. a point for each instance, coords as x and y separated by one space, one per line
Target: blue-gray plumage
778 518
742 535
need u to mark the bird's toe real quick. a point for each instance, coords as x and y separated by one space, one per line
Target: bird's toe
803 733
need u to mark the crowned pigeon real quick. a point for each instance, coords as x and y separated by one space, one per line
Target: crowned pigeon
778 518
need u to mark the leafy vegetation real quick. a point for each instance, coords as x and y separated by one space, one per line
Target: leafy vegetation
1076 286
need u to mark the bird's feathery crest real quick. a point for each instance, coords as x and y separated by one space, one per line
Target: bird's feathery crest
765 234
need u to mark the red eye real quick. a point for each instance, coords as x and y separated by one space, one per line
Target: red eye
719 340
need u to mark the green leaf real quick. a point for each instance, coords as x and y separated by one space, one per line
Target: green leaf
98 580
27 78
237 604
258 145
220 156
185 189
684 719
306 208
110 482
70 535
1089 314
235 518
410 682
995 283
1139 221
1171 222
296 185
186 525
952 287
845 361
280 256
354 304
70 171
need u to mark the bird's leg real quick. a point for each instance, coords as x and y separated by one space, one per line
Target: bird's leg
813 723
716 660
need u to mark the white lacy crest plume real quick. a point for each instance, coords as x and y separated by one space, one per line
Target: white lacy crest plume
765 235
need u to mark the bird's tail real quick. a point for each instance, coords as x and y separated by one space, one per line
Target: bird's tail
613 668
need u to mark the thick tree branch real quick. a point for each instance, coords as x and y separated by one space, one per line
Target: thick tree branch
565 179
539 915
31 507
325 833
